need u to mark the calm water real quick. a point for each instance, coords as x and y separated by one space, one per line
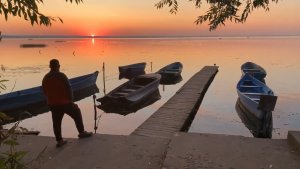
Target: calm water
25 67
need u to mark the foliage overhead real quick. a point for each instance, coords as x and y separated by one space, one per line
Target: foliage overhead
28 9
221 11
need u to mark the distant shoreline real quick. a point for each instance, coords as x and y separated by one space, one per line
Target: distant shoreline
141 37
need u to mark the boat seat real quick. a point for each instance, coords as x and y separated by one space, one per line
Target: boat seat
255 99
128 90
120 94
136 86
250 86
258 94
252 70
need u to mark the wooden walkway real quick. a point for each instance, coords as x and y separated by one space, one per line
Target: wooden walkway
179 111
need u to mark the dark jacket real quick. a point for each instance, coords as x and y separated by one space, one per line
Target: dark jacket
57 88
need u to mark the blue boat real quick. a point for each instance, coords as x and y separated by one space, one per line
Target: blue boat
24 99
129 75
132 68
133 91
257 98
255 70
127 109
171 71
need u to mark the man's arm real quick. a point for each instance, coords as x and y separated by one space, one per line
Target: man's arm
68 86
44 86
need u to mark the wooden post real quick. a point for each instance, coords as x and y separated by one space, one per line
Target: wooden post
151 66
103 70
95 115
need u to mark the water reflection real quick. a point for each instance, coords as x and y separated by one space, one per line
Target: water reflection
93 41
126 109
258 128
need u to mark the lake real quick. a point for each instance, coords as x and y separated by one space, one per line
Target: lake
25 68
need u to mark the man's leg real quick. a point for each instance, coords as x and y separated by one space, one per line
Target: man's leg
74 112
57 116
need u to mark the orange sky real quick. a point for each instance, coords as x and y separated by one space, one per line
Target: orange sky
138 18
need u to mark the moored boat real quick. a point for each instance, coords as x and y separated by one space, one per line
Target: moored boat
132 68
132 91
124 110
130 75
255 70
171 81
257 98
24 99
170 71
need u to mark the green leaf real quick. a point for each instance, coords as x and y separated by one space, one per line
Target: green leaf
19 155
3 116
11 142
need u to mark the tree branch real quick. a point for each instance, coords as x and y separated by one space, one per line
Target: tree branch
28 10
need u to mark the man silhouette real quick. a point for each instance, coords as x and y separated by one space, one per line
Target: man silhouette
58 92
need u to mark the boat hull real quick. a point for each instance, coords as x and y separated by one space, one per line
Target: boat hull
257 101
250 91
171 72
127 95
25 99
255 70
124 109
133 68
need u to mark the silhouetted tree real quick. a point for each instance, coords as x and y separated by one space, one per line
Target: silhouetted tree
221 11
28 9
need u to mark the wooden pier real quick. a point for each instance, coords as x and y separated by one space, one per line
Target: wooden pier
179 111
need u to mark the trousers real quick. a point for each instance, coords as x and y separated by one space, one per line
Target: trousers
58 112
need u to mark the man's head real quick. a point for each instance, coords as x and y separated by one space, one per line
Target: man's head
54 64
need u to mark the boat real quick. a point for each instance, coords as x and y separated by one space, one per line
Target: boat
33 45
258 99
255 70
132 68
27 99
130 75
253 124
133 91
42 107
125 110
170 81
170 71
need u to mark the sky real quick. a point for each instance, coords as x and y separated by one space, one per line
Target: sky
141 18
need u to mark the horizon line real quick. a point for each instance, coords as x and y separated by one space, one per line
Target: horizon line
137 36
